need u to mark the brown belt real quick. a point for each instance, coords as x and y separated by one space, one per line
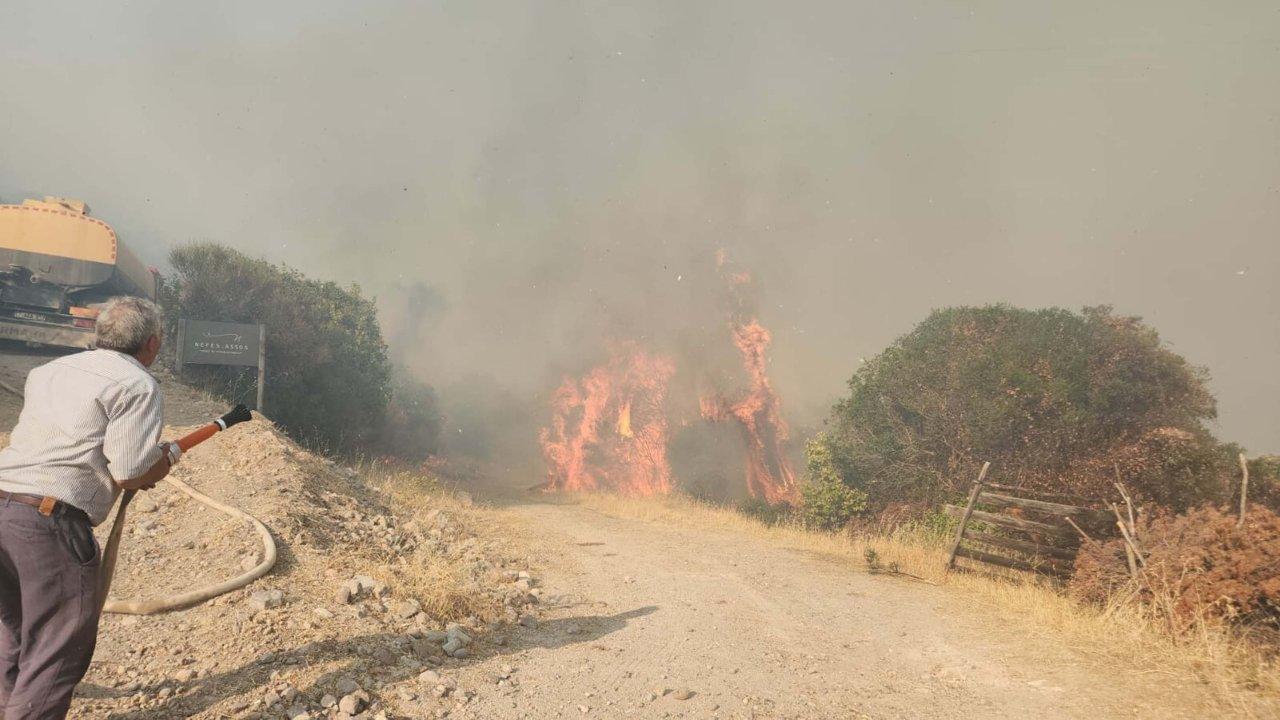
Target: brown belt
46 505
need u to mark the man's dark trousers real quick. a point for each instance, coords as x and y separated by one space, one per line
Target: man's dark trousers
48 609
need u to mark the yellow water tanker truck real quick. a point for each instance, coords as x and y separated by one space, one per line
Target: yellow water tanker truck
56 264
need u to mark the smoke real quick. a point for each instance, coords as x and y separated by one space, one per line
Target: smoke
518 183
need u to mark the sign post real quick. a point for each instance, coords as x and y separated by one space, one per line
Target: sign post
204 342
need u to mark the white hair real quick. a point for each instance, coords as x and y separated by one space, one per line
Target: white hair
125 323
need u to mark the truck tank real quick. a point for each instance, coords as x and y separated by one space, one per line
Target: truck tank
56 262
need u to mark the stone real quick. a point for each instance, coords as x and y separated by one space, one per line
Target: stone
407 609
346 685
328 701
354 703
429 677
298 712
265 600
185 675
683 694
344 595
456 631
435 636
452 646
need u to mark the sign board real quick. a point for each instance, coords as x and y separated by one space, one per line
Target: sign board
218 343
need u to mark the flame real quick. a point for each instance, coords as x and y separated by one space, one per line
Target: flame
758 412
609 428
624 420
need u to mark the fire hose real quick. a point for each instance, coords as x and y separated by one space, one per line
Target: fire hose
192 597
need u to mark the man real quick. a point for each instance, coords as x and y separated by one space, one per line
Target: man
89 428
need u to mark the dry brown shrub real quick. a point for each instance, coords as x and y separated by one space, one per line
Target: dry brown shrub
1199 565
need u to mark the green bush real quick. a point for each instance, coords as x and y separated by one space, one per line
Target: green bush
328 378
827 502
1053 399
413 420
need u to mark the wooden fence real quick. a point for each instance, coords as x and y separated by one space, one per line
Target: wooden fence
1020 529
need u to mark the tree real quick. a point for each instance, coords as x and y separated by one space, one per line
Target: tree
328 377
1054 399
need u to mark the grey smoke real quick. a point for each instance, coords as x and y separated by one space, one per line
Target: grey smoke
542 175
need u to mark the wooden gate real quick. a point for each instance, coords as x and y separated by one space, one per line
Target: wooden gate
1002 526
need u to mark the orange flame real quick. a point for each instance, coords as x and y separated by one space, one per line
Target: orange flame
758 413
609 429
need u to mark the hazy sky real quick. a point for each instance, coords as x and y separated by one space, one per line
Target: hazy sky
560 171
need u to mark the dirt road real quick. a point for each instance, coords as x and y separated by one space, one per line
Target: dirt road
754 630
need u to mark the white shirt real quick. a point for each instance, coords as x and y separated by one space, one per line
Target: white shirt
87 420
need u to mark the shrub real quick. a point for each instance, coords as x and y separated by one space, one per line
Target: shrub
764 511
827 503
413 420
1199 564
1055 400
328 378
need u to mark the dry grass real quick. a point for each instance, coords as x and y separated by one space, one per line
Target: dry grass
1241 678
448 590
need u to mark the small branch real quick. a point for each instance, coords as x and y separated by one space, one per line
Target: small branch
1083 534
1244 488
1130 547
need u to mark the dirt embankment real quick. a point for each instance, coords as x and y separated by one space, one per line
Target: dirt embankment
353 622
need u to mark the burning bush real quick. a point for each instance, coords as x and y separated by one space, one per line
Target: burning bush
1200 564
609 428
1054 399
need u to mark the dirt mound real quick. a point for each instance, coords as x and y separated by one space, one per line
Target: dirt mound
375 570
345 614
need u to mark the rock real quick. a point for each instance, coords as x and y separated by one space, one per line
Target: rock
584 709
461 653
265 600
344 595
407 609
346 686
435 636
354 703
328 701
323 613
452 646
298 712
270 698
683 694
455 631
424 649
429 677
